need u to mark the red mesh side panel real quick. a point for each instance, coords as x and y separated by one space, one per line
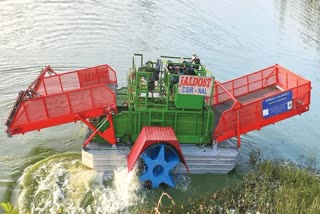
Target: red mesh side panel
41 90
36 110
80 101
240 82
255 85
229 117
251 82
51 110
63 98
112 75
90 77
57 105
268 72
103 74
282 80
70 81
250 113
288 79
244 85
254 77
272 80
97 75
228 86
240 91
219 94
252 90
102 97
269 76
21 117
303 97
52 85
226 126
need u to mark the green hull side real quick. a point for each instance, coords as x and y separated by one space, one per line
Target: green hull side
193 127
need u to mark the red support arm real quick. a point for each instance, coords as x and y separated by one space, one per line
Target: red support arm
108 134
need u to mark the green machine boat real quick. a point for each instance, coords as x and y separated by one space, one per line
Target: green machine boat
173 116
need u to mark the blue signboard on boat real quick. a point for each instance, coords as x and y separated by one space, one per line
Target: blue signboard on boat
277 104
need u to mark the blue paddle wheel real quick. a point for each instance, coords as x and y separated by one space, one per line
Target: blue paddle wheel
159 162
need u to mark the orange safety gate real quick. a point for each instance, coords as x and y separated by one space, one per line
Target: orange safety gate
245 113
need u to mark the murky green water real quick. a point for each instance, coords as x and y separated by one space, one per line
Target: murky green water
231 37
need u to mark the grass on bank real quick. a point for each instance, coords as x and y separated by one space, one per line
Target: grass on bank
276 187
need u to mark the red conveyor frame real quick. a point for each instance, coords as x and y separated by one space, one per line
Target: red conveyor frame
246 114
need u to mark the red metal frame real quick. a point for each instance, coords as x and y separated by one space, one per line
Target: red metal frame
244 117
58 83
63 98
77 95
108 134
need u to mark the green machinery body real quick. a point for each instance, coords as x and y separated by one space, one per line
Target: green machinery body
152 99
